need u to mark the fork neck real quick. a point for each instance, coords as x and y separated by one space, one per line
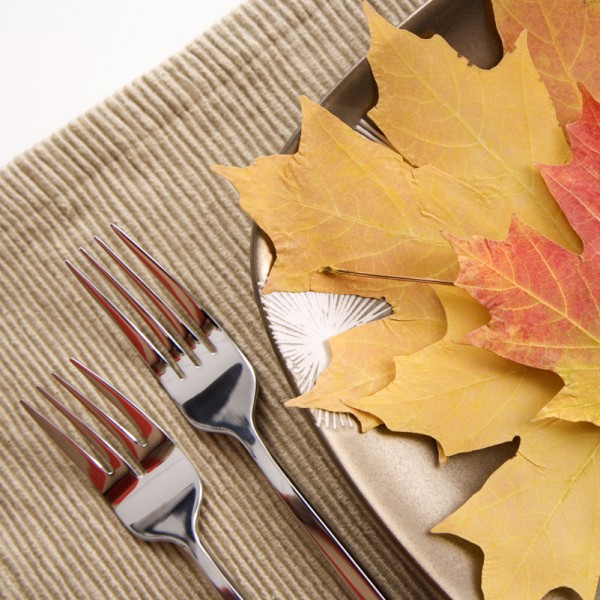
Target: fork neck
212 570
267 463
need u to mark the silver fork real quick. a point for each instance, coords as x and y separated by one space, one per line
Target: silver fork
162 503
214 386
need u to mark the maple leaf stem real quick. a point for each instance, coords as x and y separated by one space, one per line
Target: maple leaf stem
335 271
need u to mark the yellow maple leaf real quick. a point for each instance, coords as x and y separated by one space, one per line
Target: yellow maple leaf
487 127
464 397
537 518
346 201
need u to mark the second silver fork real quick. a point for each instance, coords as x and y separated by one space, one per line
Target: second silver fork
214 386
160 504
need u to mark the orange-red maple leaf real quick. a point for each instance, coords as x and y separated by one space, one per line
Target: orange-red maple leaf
545 300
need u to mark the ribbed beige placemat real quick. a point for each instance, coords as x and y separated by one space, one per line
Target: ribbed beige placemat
141 159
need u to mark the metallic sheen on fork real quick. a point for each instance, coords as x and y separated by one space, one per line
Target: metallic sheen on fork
214 386
162 503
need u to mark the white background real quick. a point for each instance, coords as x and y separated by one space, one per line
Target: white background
59 58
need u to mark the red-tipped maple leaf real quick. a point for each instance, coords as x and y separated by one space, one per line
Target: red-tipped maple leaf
545 300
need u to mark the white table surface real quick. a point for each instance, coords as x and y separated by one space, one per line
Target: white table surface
60 58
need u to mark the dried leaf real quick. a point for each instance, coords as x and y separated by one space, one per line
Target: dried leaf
346 201
537 517
486 127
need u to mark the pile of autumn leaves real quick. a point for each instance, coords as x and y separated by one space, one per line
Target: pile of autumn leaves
493 182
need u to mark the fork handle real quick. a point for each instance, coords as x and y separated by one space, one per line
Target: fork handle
352 574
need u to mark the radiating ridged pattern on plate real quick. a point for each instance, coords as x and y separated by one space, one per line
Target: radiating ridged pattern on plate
301 323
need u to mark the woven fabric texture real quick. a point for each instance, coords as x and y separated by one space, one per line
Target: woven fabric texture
141 159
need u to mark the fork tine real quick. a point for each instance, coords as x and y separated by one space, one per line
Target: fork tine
125 436
178 324
172 347
177 291
87 463
151 433
151 356
98 474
